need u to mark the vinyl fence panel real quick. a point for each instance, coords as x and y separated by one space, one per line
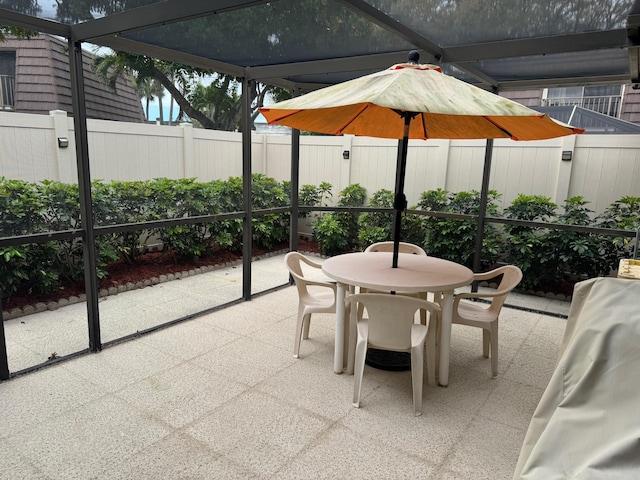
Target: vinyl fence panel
603 168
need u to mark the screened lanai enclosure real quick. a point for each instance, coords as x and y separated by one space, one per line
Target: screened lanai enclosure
298 45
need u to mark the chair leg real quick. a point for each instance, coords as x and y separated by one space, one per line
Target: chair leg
494 349
361 353
302 318
351 335
417 362
437 329
486 343
423 312
431 348
305 327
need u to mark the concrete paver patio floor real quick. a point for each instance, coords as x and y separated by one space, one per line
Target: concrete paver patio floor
221 397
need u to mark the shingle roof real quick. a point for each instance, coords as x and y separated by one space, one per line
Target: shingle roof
592 122
43 82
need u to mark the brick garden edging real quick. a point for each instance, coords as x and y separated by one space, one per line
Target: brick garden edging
104 292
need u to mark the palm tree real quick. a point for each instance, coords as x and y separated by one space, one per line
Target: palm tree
112 66
159 90
220 105
145 89
173 79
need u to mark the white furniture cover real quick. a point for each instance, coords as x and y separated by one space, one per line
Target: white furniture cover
587 423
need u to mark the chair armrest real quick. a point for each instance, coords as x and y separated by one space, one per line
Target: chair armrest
479 294
330 285
311 263
486 275
317 283
471 296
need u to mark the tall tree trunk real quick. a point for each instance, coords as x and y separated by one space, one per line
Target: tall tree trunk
182 101
171 104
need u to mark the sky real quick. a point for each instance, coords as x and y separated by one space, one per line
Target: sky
154 111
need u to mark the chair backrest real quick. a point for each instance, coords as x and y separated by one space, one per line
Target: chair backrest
294 260
391 317
403 247
511 277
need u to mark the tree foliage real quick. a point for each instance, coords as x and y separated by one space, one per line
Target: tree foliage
273 30
457 22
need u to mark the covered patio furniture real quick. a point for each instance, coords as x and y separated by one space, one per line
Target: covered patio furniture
587 423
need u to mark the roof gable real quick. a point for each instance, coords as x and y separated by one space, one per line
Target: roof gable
43 82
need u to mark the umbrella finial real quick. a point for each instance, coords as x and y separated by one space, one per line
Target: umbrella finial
414 56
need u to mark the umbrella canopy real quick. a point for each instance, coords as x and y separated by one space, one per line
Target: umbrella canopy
414 101
445 108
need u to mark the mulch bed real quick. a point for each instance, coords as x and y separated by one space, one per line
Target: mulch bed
152 265
147 266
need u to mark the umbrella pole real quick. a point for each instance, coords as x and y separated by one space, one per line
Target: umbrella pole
482 210
400 201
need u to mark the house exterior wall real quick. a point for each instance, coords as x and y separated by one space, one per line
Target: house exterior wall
528 98
630 105
604 167
43 82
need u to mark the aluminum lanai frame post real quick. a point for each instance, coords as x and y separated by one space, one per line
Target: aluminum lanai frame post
295 188
4 360
246 188
84 190
294 194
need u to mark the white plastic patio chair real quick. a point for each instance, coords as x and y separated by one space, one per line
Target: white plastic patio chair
403 247
320 298
485 316
390 326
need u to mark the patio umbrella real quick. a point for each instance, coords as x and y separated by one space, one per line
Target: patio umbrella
412 101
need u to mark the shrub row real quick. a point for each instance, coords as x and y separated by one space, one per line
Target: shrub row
48 206
547 257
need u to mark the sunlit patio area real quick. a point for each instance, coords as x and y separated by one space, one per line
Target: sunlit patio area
221 396
184 379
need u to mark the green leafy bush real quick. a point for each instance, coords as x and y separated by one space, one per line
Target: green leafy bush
187 198
337 232
22 208
579 255
546 256
528 247
270 229
454 239
378 226
14 269
54 206
623 214
312 196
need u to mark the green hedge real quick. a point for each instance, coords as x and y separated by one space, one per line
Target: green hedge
30 208
546 256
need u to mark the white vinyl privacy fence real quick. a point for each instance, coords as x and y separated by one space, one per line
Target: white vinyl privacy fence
603 168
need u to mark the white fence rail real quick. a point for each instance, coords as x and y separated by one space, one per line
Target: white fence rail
603 168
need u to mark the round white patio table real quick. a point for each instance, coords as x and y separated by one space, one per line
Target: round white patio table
415 273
